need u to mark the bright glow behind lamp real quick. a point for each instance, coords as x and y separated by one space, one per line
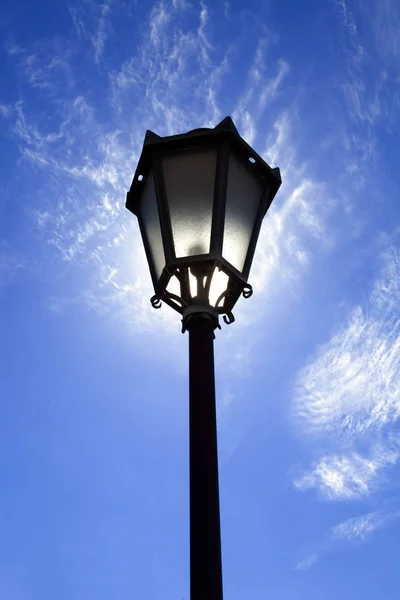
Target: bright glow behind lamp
200 199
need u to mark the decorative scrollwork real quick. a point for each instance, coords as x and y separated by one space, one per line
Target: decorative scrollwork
169 272
176 298
247 291
221 297
156 301
229 318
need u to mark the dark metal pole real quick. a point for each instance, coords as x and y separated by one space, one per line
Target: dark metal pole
205 536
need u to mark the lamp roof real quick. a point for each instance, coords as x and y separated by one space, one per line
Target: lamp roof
195 139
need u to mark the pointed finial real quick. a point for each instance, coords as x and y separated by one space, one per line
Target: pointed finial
227 125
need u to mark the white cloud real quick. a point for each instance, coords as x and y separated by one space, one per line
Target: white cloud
353 385
92 23
307 562
385 18
44 67
349 476
288 234
354 50
350 533
260 90
360 529
370 47
159 19
176 69
10 263
350 395
5 110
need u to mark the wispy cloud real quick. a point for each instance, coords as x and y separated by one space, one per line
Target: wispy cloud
349 395
92 23
360 529
386 23
290 231
44 66
348 534
260 90
306 563
4 110
162 71
159 19
11 263
369 79
350 476
100 38
352 386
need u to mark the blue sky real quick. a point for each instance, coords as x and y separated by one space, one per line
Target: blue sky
93 381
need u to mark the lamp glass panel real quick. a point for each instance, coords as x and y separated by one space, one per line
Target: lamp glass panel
242 204
189 180
174 287
219 284
151 223
192 284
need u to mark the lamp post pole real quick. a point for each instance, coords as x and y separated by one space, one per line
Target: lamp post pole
205 535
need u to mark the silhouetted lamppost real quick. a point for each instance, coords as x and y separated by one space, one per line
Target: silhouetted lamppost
200 199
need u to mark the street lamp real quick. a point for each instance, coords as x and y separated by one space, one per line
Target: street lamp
200 198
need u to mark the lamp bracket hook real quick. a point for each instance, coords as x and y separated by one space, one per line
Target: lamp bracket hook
247 291
156 301
229 318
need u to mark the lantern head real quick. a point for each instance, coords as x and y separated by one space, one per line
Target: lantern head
200 198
